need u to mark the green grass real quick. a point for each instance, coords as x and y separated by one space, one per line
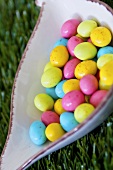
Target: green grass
92 152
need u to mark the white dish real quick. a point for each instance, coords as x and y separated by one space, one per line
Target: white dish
19 152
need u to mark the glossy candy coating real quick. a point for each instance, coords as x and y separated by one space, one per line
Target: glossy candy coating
83 111
49 117
59 56
51 77
59 89
103 85
101 36
54 131
70 85
51 92
72 99
106 74
105 50
85 27
70 67
72 43
84 68
88 84
68 121
58 107
85 51
48 66
104 59
97 97
37 132
69 28
77 89
43 102
61 41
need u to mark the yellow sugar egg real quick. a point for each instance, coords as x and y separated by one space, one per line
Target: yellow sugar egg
84 68
54 131
101 36
58 107
103 85
59 56
72 84
106 74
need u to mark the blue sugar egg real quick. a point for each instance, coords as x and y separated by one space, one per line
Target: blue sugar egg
59 89
105 50
68 121
51 92
37 132
62 41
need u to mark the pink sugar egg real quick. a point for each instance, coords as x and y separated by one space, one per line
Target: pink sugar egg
88 84
72 43
70 67
72 99
97 97
49 117
69 28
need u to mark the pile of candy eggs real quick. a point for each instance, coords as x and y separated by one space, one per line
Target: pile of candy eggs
76 79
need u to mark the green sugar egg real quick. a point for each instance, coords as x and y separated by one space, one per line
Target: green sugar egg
104 59
51 77
85 51
43 102
84 29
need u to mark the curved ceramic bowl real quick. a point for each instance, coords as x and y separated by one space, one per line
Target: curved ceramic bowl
19 152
